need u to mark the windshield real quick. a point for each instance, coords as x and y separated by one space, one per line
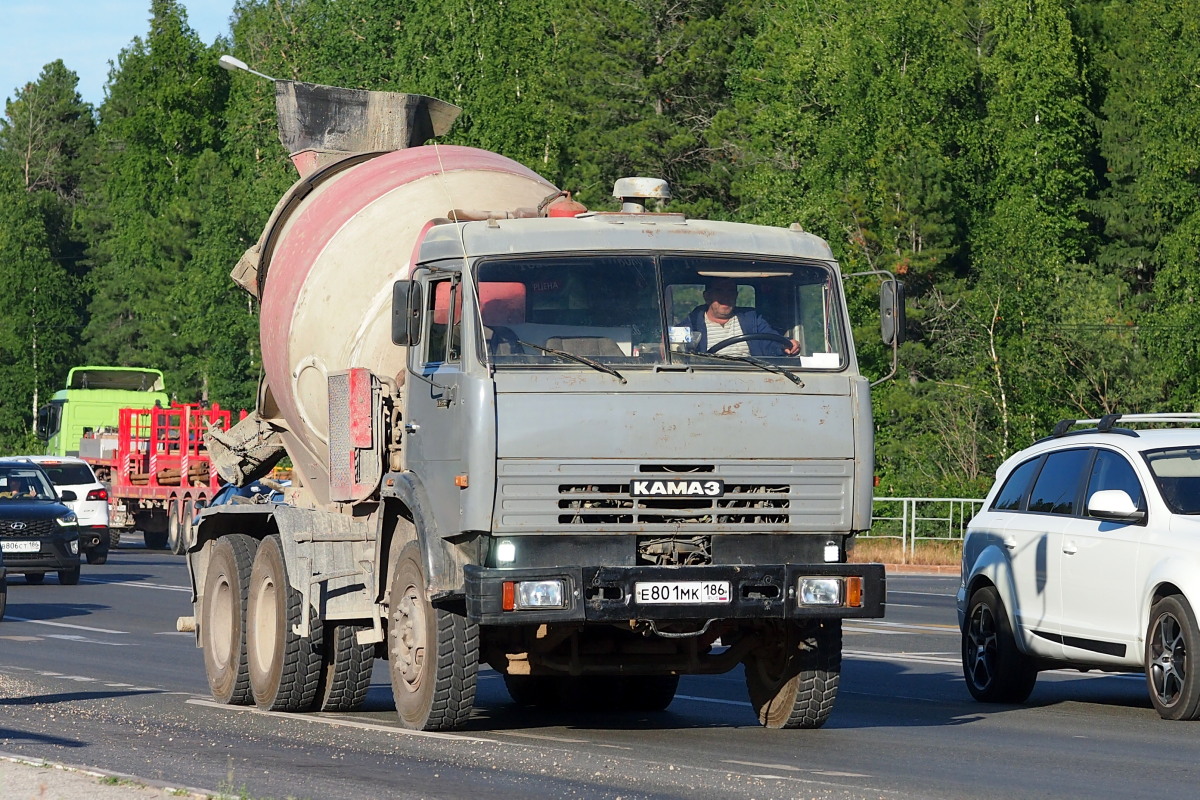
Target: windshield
21 483
708 312
1177 473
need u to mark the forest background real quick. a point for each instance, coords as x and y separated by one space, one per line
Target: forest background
1030 168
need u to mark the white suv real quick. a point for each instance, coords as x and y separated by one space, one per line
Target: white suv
91 507
1086 554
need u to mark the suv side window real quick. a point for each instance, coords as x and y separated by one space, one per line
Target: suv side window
1112 471
1010 497
1057 488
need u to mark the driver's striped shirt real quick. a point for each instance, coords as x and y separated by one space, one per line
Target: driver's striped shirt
716 333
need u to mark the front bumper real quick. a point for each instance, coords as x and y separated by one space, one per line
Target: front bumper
54 553
606 594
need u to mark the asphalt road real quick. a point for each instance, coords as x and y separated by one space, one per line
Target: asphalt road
96 675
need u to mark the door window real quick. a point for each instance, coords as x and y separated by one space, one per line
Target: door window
1111 471
1010 497
1057 488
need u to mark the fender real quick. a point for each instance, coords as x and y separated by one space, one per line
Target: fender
1170 574
992 566
445 553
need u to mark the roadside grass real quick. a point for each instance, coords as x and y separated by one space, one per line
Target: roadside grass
889 551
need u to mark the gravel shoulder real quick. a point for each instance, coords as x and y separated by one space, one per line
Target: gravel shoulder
25 779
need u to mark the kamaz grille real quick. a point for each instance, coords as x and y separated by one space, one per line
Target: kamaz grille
541 495
610 504
32 528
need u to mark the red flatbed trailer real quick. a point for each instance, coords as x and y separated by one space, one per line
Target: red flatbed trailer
160 472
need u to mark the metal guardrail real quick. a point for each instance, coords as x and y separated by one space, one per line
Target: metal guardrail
914 519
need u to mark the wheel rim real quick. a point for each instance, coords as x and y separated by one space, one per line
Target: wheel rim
264 611
980 647
409 644
1168 660
220 621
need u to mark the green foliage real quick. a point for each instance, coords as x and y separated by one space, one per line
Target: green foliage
1029 170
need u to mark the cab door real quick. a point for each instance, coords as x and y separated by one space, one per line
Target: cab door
434 421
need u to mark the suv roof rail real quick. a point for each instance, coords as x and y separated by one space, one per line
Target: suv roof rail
1106 423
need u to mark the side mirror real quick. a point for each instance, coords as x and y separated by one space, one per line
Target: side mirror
1115 505
406 313
67 496
891 312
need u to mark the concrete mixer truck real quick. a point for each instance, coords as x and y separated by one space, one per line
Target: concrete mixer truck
593 450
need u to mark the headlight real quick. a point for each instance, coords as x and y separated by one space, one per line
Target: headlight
506 552
820 591
67 520
521 595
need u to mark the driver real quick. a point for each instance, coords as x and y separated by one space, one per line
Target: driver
17 488
720 319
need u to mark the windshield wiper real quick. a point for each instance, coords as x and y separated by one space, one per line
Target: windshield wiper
765 365
596 365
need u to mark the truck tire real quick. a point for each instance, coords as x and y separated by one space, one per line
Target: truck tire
345 669
154 526
175 541
285 667
433 654
223 618
186 535
155 540
114 538
793 679
650 692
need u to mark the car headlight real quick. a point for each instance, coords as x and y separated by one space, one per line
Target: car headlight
67 520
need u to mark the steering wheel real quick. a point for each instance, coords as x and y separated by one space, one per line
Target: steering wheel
746 337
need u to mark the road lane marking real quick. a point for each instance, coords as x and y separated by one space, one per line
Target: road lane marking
791 768
65 625
140 584
335 720
74 637
882 626
717 700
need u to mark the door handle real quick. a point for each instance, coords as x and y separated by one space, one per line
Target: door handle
1070 549
1010 543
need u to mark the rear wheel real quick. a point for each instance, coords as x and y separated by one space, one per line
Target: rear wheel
284 666
186 537
995 668
433 654
793 679
223 618
650 692
69 577
35 577
174 539
1170 641
99 553
114 538
345 669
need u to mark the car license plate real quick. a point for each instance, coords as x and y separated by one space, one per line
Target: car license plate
681 592
20 547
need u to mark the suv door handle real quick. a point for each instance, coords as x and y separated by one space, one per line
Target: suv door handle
1010 543
1070 549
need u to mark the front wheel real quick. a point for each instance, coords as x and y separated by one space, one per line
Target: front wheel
69 577
3 595
1170 640
995 668
793 679
433 654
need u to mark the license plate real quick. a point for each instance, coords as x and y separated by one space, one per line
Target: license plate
20 547
681 592
676 488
